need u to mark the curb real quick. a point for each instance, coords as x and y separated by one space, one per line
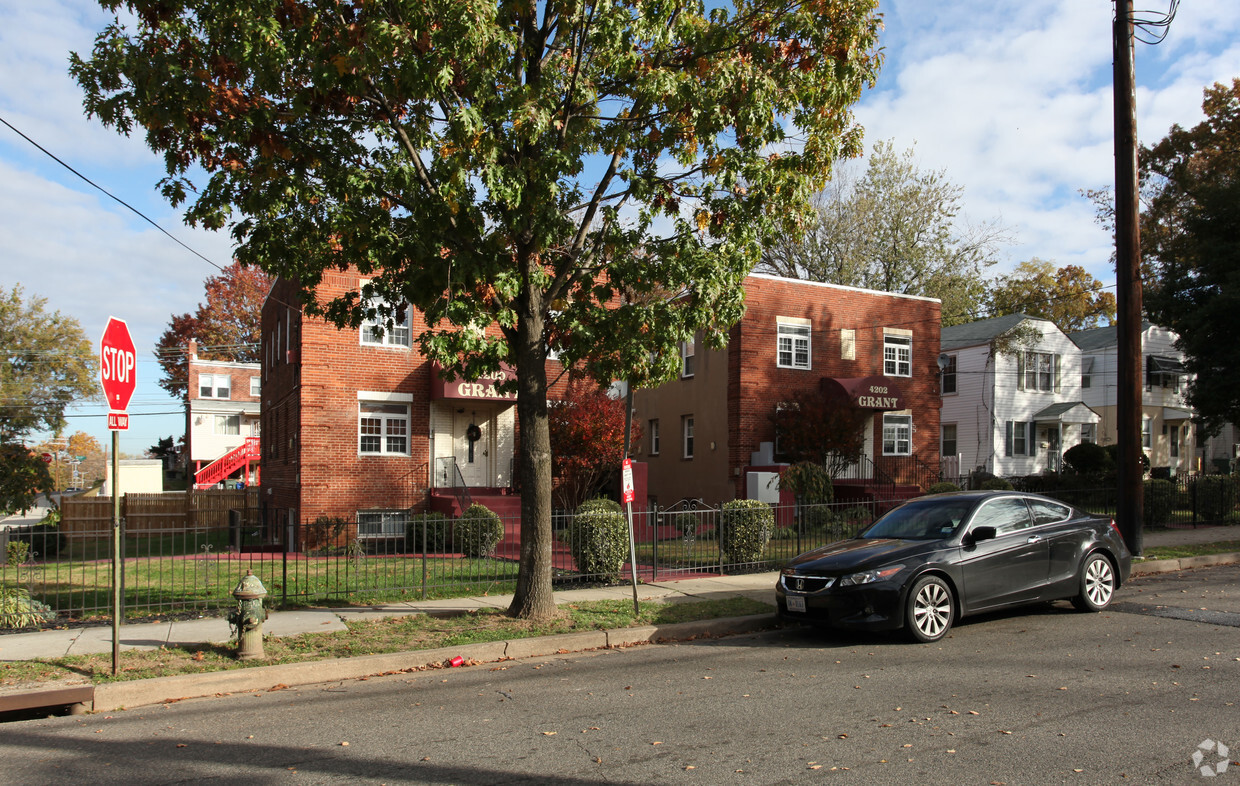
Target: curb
1149 567
114 696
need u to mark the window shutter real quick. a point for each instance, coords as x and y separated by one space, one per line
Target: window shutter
1032 442
1020 373
1058 386
1008 436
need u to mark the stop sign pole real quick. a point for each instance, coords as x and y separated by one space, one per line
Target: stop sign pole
117 364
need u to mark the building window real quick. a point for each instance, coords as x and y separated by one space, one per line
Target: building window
377 331
214 386
1089 432
383 428
848 344
228 425
381 523
1019 438
686 430
1087 372
897 435
1146 439
687 350
1173 435
949 376
792 344
947 439
1037 371
897 356
1163 372
654 436
255 386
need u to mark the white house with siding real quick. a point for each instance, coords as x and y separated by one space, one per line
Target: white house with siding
1011 412
1167 435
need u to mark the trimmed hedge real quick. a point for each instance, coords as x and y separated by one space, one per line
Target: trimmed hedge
478 531
745 527
942 487
598 538
438 533
1216 497
1158 502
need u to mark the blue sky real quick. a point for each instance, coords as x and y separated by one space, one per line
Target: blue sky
1011 99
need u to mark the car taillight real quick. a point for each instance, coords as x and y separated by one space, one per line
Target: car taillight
1115 527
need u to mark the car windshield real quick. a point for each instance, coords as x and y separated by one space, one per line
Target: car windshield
926 519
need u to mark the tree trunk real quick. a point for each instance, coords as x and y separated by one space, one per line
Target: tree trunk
533 599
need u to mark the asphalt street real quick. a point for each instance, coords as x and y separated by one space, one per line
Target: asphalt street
1042 695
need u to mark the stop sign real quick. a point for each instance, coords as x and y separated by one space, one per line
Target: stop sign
117 360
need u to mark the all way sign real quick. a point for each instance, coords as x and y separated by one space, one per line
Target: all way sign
117 364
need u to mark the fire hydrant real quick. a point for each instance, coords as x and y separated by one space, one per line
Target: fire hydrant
247 619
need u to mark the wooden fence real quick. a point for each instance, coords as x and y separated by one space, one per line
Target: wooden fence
146 514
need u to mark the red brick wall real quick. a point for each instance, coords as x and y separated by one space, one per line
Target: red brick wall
310 406
755 383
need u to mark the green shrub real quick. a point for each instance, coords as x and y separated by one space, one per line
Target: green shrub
324 531
942 487
19 610
44 541
1216 497
478 531
809 482
1088 458
438 533
600 503
1159 501
745 526
598 538
996 484
16 553
687 524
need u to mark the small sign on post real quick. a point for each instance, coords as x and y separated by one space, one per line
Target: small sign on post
626 481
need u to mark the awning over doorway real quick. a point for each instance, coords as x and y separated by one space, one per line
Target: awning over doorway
1067 412
482 388
1171 413
873 392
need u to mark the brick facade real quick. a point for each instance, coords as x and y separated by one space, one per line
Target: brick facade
315 378
739 416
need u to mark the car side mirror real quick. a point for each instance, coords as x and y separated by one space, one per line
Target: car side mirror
979 534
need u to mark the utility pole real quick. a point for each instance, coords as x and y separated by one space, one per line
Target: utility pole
1129 507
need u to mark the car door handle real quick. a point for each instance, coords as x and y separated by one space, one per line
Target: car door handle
1034 539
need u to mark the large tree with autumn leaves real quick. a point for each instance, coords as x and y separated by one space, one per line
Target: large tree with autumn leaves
594 177
226 325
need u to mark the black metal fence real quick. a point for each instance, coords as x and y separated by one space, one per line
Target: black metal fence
393 556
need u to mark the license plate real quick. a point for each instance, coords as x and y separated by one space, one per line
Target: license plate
796 603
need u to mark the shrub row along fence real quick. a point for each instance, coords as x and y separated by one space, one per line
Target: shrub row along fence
395 556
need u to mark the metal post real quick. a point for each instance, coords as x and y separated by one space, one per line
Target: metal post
628 437
116 553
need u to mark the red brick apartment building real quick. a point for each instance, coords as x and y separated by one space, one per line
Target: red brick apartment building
358 423
709 433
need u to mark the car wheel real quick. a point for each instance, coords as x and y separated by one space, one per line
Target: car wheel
1097 584
930 609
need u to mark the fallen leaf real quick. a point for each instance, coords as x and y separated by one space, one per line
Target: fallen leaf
548 733
344 744
974 712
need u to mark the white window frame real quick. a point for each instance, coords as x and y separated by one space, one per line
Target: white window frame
1038 371
390 524
385 419
686 436
256 386
1147 439
897 434
399 335
654 436
227 425
1020 438
213 387
897 355
688 352
792 343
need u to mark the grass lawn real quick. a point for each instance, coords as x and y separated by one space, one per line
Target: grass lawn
393 634
1192 550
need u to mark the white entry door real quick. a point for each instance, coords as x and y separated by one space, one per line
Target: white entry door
473 445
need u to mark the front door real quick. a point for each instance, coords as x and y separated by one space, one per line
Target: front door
473 437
